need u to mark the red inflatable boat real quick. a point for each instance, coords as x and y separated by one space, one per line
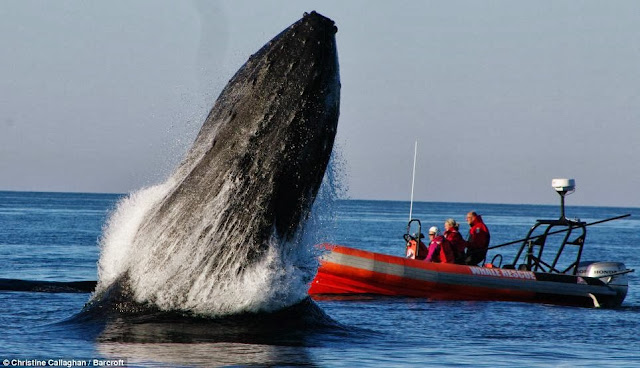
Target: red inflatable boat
348 271
528 278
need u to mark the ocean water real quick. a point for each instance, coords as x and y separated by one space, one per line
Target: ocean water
54 237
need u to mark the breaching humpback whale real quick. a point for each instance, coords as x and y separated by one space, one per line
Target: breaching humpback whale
235 206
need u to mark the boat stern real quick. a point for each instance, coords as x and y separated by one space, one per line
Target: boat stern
612 274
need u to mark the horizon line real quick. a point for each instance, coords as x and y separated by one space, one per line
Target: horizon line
344 199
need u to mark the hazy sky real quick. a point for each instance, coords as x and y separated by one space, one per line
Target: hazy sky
503 96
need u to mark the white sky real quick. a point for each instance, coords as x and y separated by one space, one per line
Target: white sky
502 95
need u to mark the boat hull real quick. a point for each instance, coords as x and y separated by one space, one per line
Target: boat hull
347 271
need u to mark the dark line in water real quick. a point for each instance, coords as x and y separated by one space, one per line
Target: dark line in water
47 286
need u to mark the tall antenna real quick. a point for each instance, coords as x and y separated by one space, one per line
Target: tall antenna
413 178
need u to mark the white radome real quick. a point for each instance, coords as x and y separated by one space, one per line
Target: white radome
563 185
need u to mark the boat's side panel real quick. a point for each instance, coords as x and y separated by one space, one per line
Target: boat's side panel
338 279
350 271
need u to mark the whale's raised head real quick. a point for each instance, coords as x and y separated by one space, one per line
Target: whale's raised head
246 186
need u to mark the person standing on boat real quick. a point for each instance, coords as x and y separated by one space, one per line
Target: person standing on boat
452 234
478 241
439 248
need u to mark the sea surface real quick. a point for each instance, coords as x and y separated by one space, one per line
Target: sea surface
55 236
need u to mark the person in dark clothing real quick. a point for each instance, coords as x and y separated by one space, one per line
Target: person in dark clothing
452 234
478 241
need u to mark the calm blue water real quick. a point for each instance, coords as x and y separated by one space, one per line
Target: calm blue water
53 236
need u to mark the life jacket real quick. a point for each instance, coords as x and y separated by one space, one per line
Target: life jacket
457 244
411 250
479 236
441 251
478 242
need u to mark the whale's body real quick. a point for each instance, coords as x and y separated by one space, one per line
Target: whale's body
240 198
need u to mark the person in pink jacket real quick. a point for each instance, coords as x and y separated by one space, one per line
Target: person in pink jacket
439 248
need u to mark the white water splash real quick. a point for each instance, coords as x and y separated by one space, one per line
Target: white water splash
120 229
185 277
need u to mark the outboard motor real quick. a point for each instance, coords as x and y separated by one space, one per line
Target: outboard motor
613 274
